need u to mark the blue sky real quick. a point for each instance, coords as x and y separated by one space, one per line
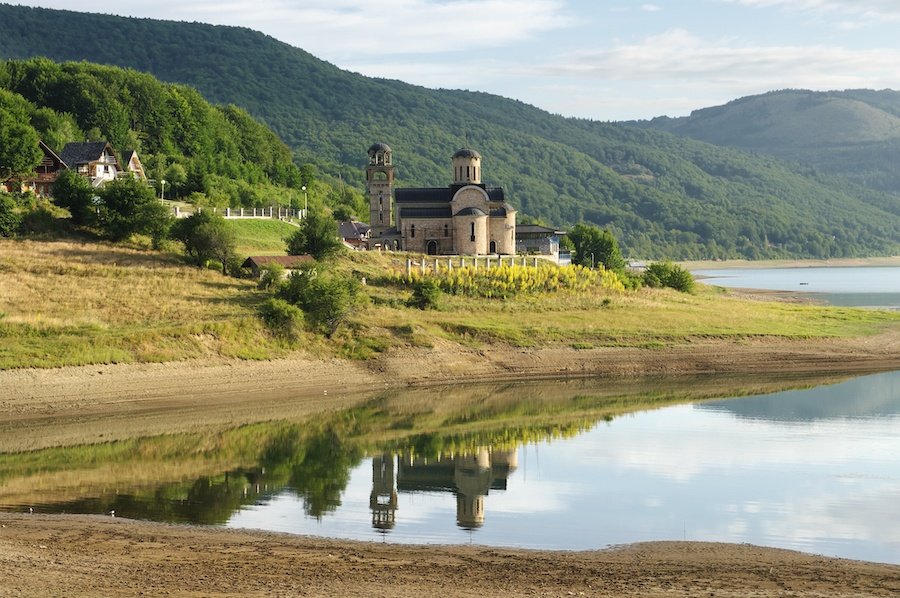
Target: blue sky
605 60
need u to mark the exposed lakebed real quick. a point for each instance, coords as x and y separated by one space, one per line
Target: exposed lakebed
544 465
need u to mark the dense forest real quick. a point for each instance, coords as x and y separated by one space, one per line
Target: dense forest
854 134
660 194
211 150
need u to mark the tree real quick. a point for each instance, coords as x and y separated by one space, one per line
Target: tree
74 192
316 236
19 151
206 236
129 206
595 246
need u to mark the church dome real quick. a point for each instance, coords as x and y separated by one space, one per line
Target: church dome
467 153
478 213
379 147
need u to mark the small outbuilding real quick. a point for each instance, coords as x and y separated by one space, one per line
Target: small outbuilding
290 262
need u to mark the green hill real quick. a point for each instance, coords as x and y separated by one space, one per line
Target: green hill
853 134
662 195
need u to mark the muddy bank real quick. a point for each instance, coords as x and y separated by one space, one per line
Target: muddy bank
44 555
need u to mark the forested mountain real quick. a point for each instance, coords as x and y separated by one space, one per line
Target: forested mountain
662 195
198 147
854 134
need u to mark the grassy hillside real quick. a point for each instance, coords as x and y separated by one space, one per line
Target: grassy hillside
660 194
853 134
59 306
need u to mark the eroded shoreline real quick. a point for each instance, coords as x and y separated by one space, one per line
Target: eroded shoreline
84 555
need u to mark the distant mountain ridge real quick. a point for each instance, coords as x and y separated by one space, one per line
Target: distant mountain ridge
854 134
662 195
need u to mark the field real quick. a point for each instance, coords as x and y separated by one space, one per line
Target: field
71 303
260 236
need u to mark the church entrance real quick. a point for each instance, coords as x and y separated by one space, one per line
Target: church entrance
431 248
493 248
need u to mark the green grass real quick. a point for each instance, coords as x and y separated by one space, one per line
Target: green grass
74 303
261 236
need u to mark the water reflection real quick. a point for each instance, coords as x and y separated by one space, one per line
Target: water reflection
553 465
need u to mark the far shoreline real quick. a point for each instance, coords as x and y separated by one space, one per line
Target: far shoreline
700 265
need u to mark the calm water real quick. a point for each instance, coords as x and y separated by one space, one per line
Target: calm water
871 286
815 469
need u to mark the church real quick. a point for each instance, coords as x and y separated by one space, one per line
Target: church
464 218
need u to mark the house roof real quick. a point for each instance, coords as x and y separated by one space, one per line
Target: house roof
49 152
288 261
350 229
537 229
76 153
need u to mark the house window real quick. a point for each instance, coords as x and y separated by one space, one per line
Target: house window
412 231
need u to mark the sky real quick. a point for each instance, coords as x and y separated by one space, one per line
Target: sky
603 60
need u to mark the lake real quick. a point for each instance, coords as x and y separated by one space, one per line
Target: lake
557 465
865 286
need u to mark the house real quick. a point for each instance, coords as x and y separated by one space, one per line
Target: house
354 234
94 160
537 239
289 262
132 164
41 180
464 218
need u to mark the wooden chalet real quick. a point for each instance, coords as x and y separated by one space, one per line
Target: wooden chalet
92 159
41 180
131 164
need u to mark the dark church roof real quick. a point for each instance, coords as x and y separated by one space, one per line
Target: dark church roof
436 212
443 194
77 153
467 153
379 147
470 212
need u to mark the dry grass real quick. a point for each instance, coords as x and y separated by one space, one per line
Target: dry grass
69 303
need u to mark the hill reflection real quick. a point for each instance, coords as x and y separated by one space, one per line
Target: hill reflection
461 441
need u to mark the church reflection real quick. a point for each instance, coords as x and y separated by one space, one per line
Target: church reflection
470 477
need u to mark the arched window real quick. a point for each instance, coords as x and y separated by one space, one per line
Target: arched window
446 230
412 231
472 227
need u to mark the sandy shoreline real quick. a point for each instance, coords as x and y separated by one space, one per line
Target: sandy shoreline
45 555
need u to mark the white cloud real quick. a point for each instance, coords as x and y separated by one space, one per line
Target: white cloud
856 12
651 7
679 56
344 28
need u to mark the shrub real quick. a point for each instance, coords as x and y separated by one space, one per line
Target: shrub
667 274
272 277
426 294
282 318
10 218
325 297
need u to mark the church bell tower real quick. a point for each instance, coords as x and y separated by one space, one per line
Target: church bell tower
380 188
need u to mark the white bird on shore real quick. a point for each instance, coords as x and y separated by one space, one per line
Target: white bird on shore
112 513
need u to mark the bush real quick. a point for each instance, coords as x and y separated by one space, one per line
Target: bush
272 277
282 318
667 274
325 297
426 294
10 218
